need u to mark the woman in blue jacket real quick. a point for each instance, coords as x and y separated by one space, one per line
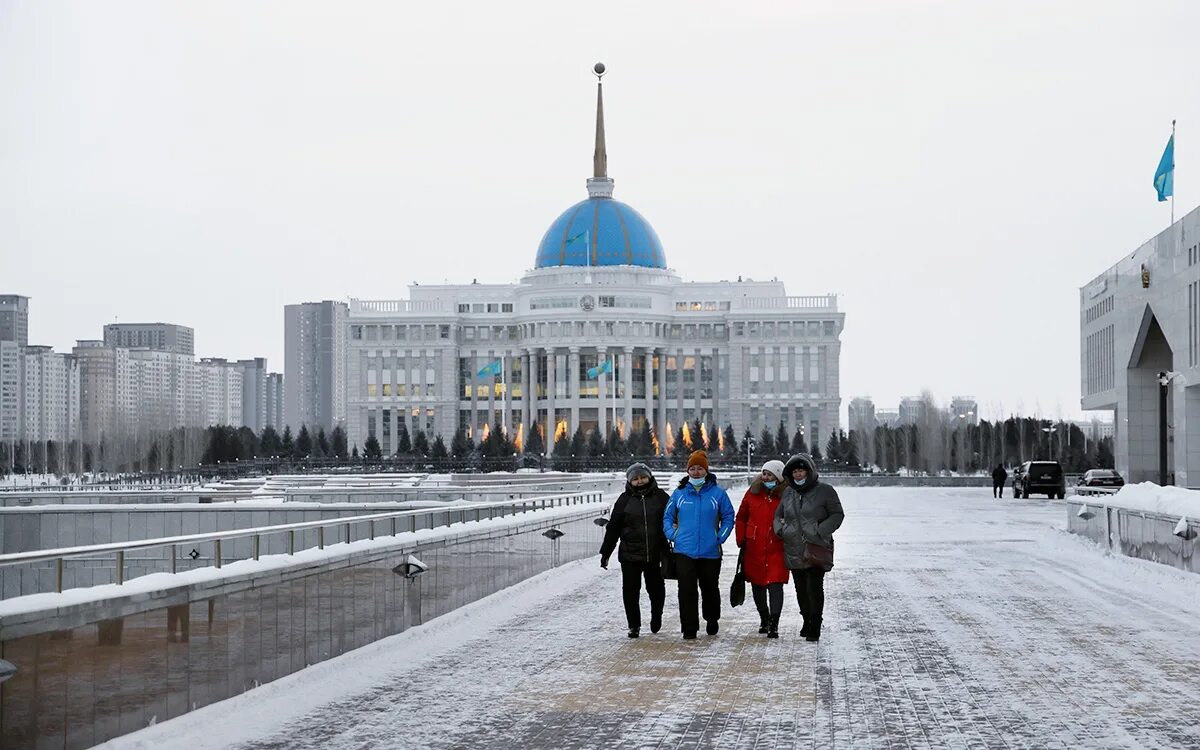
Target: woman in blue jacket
698 520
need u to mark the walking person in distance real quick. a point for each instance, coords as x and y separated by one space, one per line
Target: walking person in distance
809 512
637 523
999 477
763 561
698 520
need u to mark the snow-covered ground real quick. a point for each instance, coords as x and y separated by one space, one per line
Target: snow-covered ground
953 620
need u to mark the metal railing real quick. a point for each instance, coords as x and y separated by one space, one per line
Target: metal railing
394 523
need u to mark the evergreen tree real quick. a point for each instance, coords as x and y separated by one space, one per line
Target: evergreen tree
563 446
403 442
646 439
634 443
337 442
579 443
595 443
681 449
304 443
324 450
850 453
782 441
731 443
697 436
287 447
535 445
371 449
420 443
248 444
439 447
766 445
354 455
1104 453
798 445
833 448
269 441
152 457
460 444
616 446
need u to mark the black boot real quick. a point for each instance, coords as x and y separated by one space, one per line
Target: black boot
635 632
773 628
711 627
814 631
763 623
655 622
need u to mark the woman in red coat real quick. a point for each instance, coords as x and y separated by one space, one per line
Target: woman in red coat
764 565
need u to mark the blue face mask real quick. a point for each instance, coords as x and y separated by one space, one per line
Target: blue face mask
770 485
697 483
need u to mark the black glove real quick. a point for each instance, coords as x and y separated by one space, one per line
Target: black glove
604 562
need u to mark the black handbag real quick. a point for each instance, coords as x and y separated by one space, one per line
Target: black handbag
669 571
737 590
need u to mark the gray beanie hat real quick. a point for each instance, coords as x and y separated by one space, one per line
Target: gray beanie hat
636 469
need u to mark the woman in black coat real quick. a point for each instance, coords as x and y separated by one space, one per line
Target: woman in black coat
637 521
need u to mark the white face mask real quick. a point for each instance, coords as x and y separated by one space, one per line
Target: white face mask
770 484
696 481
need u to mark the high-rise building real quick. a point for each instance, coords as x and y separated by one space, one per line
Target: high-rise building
963 410
107 393
49 395
14 319
315 364
163 337
861 415
601 332
913 411
10 391
262 395
221 388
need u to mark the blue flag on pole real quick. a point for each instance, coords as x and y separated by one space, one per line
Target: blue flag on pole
495 368
1164 176
605 366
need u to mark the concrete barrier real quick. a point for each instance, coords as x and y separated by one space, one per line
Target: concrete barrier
1135 533
88 672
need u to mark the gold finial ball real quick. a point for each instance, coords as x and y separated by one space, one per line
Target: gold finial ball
598 69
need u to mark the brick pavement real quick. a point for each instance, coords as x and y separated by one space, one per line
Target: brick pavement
953 622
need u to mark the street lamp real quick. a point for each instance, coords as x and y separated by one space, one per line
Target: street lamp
749 450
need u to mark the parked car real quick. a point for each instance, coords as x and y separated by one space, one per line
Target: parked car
1040 477
1099 481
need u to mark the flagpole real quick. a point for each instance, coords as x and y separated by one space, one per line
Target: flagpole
1172 172
504 387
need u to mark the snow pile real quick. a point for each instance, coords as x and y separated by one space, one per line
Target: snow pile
1149 497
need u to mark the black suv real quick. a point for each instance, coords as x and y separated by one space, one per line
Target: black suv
1040 477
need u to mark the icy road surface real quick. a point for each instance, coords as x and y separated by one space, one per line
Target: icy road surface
952 620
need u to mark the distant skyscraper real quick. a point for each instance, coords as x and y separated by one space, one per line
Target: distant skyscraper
50 395
10 391
262 395
315 364
913 411
163 337
222 392
14 319
964 410
862 415
108 399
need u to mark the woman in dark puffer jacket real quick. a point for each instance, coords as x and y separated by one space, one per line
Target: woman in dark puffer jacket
637 521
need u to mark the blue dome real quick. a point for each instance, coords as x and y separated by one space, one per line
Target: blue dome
611 232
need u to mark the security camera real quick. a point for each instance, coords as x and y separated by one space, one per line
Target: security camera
1183 530
411 567
552 533
7 669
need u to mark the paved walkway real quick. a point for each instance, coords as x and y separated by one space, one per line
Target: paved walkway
952 621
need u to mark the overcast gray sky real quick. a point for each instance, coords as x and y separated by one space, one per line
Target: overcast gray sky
954 170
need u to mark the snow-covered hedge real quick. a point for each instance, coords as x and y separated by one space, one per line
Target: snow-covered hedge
1149 497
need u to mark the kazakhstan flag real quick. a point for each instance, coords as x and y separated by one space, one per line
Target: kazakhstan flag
1164 176
605 366
495 368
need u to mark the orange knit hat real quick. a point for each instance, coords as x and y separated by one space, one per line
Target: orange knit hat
698 458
